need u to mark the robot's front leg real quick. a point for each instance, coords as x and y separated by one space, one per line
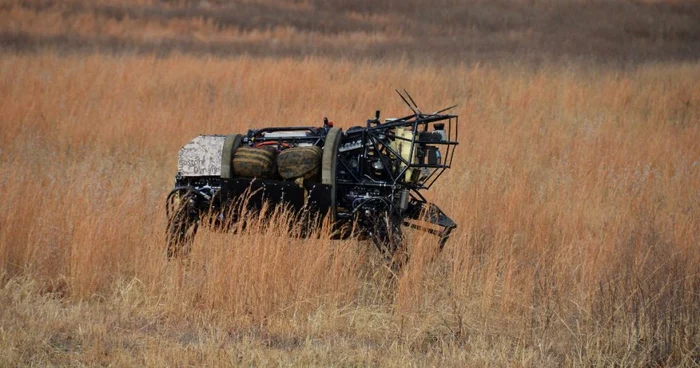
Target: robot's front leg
431 214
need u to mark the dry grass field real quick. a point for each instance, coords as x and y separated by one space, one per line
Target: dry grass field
575 189
617 32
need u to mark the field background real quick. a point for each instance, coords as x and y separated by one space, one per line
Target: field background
575 185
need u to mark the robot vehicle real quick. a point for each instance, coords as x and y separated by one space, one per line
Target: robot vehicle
366 180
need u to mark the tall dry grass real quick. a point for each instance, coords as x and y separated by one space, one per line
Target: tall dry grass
575 191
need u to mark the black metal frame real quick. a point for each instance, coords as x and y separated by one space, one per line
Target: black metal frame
377 139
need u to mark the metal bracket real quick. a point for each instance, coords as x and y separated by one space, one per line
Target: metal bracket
432 214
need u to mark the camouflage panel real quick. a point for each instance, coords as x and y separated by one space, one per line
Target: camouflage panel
250 162
201 156
299 162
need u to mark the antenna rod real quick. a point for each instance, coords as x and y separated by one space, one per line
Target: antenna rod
414 102
445 109
407 104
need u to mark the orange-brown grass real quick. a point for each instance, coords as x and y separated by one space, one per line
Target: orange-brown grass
575 191
55 21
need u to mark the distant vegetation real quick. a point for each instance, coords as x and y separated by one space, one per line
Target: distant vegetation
575 186
616 32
